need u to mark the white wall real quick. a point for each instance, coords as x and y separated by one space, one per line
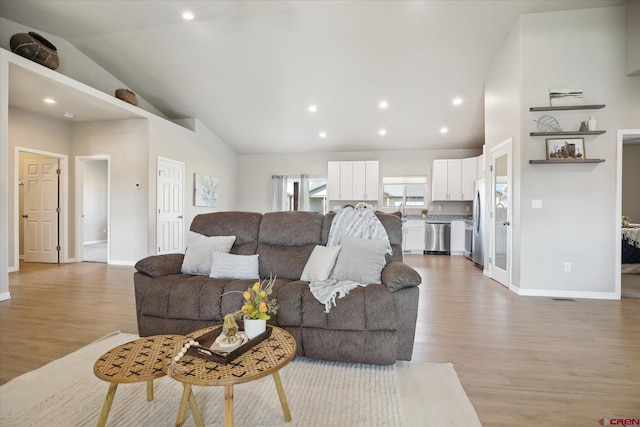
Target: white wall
586 49
35 132
127 144
631 182
633 37
255 170
5 250
503 121
95 200
203 152
74 63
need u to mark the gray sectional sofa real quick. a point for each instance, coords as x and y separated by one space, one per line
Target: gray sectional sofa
373 324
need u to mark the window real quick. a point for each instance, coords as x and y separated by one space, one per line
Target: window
408 190
317 194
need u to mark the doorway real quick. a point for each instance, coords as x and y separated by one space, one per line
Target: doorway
170 202
627 274
40 234
501 206
92 207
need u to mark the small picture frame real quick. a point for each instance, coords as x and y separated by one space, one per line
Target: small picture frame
565 149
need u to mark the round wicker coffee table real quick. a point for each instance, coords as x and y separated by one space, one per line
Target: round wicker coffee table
136 361
266 358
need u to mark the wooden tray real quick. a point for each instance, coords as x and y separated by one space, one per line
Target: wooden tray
204 352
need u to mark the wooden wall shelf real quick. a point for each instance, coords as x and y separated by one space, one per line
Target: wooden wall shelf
569 107
568 133
539 162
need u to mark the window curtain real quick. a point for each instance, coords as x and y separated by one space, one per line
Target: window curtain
303 193
278 193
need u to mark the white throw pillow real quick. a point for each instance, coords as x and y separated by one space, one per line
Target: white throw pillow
360 260
197 259
320 263
230 266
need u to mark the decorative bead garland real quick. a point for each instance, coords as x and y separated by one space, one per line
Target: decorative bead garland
185 347
177 368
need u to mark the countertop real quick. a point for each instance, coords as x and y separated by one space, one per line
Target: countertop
439 218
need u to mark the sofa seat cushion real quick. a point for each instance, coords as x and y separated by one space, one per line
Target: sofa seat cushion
364 308
182 296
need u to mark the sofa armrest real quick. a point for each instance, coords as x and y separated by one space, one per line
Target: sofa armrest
161 265
397 275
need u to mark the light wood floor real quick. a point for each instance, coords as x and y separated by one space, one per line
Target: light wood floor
523 361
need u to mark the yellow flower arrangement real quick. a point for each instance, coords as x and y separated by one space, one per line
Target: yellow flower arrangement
256 301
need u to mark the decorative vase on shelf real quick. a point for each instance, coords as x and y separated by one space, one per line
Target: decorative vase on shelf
592 123
254 327
35 48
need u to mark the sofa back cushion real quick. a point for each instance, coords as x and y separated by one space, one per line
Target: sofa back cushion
285 242
391 223
243 225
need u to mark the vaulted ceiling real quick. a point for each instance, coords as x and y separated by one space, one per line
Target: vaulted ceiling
249 70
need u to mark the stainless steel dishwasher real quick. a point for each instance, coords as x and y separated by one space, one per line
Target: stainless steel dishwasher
437 238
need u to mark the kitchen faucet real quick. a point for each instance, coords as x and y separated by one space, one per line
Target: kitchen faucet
402 210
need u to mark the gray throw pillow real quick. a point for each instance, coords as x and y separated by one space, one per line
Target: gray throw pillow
360 260
197 259
230 266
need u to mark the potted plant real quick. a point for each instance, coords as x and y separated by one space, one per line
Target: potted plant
257 307
425 212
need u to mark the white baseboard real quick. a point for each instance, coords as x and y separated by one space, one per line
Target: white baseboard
91 242
564 294
118 262
12 269
456 253
5 296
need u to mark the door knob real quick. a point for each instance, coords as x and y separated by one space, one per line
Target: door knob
506 223
180 217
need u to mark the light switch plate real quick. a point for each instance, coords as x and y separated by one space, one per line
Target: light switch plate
536 204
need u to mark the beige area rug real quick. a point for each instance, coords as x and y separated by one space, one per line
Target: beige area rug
66 393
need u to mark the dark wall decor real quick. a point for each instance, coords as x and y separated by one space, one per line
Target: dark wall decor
35 48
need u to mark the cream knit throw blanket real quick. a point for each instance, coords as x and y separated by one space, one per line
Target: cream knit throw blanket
361 223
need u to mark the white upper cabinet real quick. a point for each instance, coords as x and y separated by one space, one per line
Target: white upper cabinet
469 176
353 180
480 166
439 187
453 179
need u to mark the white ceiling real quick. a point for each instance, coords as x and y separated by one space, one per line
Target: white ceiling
248 70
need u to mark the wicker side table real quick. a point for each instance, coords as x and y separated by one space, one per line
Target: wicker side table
136 361
266 358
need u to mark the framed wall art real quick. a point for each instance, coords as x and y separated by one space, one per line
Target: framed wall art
205 190
565 149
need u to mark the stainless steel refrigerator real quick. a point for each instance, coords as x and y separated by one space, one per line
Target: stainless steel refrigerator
478 223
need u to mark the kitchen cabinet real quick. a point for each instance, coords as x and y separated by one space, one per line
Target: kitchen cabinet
353 180
469 176
453 179
457 238
480 166
413 236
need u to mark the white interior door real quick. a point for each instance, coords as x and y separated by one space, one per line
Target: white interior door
170 233
501 197
41 209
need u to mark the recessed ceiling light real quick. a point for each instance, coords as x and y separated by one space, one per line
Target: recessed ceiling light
69 115
383 104
312 108
188 16
49 100
444 130
457 101
382 132
322 134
